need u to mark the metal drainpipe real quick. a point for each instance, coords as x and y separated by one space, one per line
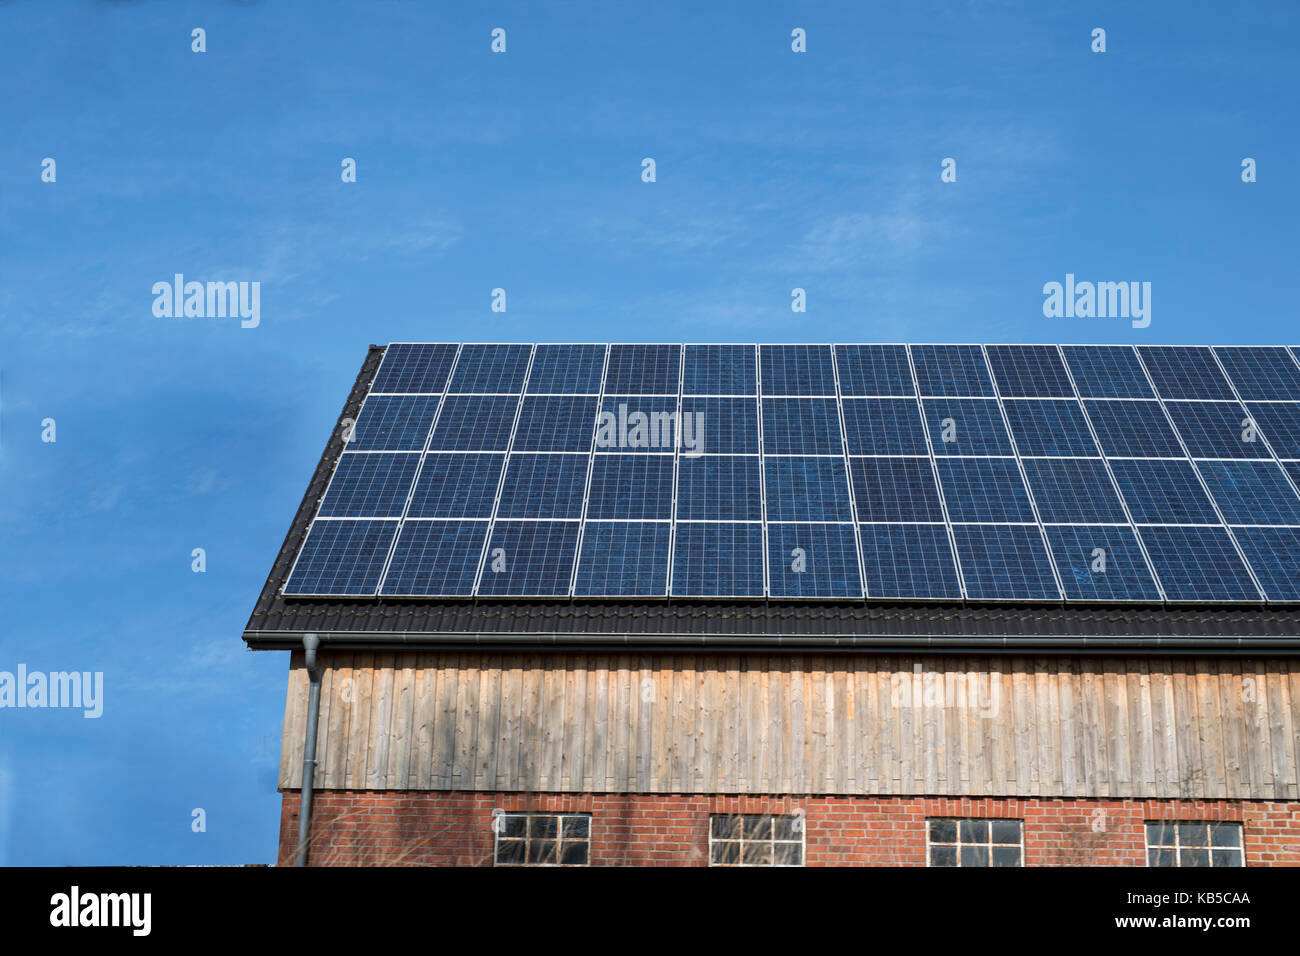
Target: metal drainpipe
309 642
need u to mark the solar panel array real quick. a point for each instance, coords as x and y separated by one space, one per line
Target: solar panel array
927 472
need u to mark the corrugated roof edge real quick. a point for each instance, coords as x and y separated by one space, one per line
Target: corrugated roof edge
279 623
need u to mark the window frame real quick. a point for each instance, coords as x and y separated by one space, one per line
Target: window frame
527 839
930 844
800 827
1177 846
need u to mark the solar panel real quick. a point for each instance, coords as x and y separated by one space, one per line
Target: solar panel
1184 371
1137 429
720 370
883 426
543 486
1005 562
801 426
807 489
895 489
797 370
1023 371
1163 492
559 471
967 426
370 485
1251 492
454 485
623 559
726 426
1073 490
1263 373
631 486
1050 427
394 423
643 370
951 370
1101 563
813 560
1280 424
984 489
909 561
529 559
720 487
874 370
567 369
1107 371
414 368
342 557
436 558
718 560
1198 564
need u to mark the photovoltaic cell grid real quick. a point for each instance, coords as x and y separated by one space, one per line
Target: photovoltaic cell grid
471 469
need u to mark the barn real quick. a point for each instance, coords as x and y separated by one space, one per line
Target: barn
785 605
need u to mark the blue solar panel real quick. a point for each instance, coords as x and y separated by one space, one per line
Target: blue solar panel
491 368
453 485
884 426
727 426
623 559
436 558
1280 424
631 486
719 487
1138 429
1251 492
1023 371
1262 373
909 561
1004 562
718 560
543 486
643 370
1073 490
474 423
797 370
984 489
529 559
720 370
874 370
967 426
394 423
567 369
895 489
370 485
556 423
1050 427
1163 492
1107 371
638 423
951 370
813 560
1274 553
1184 371
807 489
1101 563
414 368
801 426
1216 430
342 557
1198 564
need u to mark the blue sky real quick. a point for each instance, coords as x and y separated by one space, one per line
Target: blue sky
523 171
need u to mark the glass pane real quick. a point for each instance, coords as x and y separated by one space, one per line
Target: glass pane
1161 858
1226 857
513 825
1225 834
543 827
974 831
1006 831
1160 834
943 831
1006 856
1196 857
1193 834
974 856
726 828
575 854
726 854
758 854
789 854
541 851
783 828
510 851
576 828
758 827
943 856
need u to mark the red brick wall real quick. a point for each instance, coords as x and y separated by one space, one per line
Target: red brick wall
437 828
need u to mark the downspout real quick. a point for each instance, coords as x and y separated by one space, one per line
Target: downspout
309 642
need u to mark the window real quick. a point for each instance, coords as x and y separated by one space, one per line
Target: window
975 842
756 839
1194 844
543 839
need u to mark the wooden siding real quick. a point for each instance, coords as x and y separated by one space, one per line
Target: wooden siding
1212 728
